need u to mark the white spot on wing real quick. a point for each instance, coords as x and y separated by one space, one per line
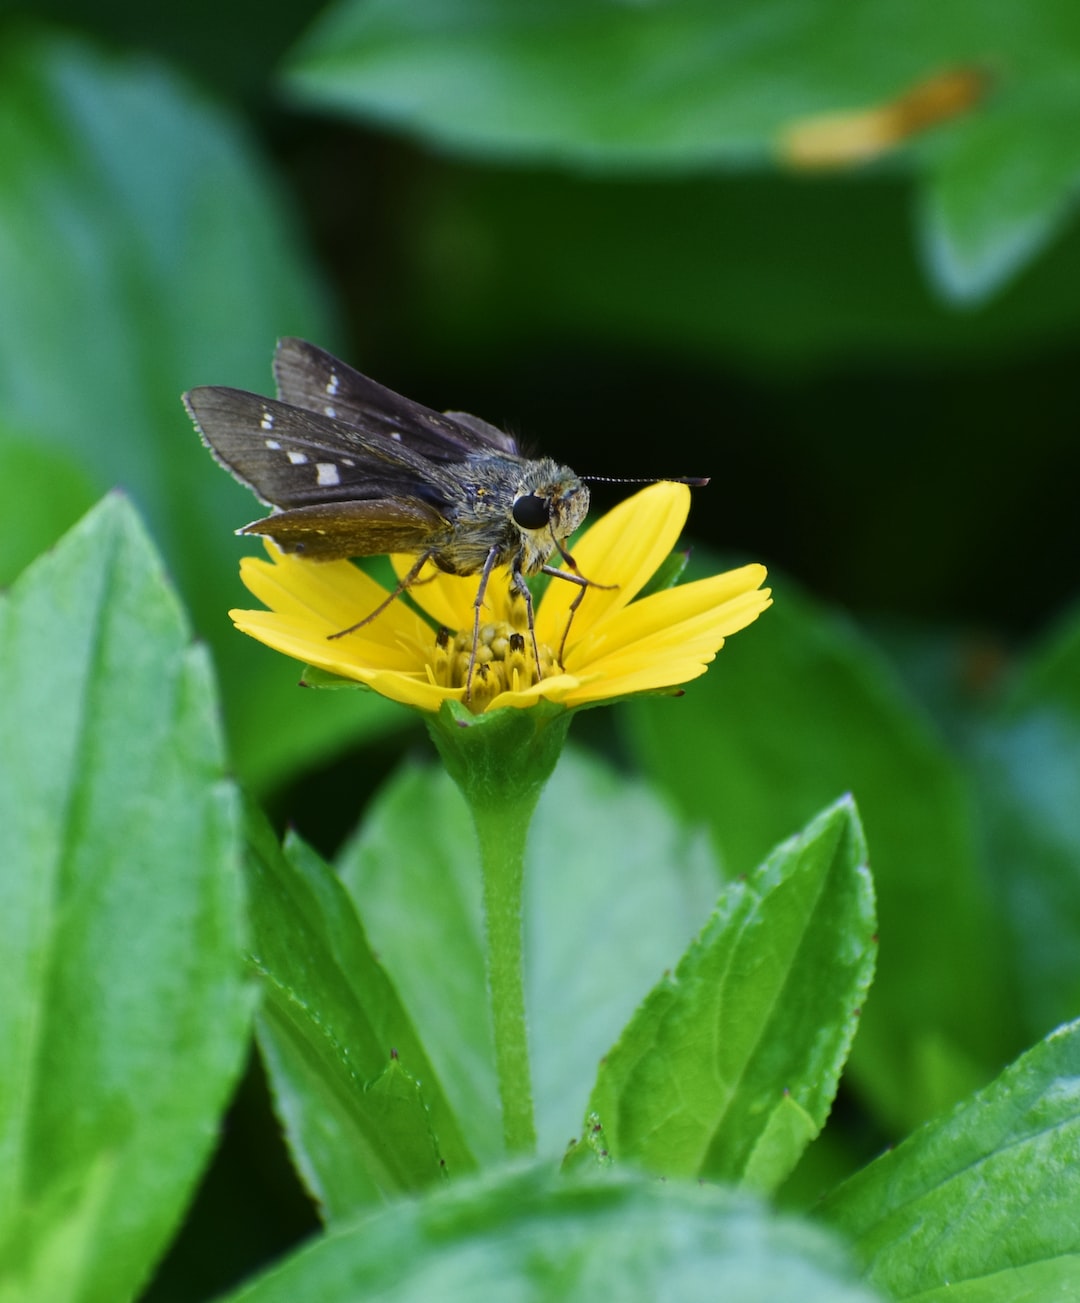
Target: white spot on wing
272 444
267 421
332 384
394 435
330 411
328 474
297 458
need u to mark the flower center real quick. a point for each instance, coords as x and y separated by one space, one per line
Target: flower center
504 661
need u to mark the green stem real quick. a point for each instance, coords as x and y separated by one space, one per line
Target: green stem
502 831
501 761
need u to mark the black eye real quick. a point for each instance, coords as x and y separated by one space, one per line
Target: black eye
531 511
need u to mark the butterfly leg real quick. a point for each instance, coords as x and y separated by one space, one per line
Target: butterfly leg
573 576
485 575
518 580
402 585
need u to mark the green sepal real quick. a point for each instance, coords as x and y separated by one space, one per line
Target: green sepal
501 758
313 677
667 574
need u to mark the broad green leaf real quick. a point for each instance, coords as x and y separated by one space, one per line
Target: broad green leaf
529 1235
690 85
142 251
796 711
1028 764
363 1109
1003 184
615 888
123 1007
47 1248
980 1205
729 1067
677 86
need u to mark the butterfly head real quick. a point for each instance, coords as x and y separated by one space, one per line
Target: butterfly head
553 501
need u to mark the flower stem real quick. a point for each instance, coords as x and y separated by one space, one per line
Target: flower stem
501 761
502 832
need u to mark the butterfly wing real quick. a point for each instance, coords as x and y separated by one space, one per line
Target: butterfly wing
309 377
332 532
294 458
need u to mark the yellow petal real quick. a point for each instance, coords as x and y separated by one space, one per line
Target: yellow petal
411 690
329 596
439 595
651 678
556 688
624 549
721 599
669 655
405 685
693 640
340 655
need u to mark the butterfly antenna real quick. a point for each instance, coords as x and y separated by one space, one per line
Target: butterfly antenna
695 481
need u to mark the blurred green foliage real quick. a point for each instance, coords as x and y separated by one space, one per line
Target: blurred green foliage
573 218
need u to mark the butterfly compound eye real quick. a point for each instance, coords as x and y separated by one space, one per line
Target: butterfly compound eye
531 511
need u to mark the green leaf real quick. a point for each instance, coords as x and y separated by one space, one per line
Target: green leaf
527 1235
616 886
730 1066
691 85
796 711
362 1107
1027 767
123 1008
677 86
131 206
980 1205
614 890
1003 186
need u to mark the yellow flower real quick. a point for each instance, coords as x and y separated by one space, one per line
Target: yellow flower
615 646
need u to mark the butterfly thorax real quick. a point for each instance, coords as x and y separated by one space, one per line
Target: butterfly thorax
497 495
